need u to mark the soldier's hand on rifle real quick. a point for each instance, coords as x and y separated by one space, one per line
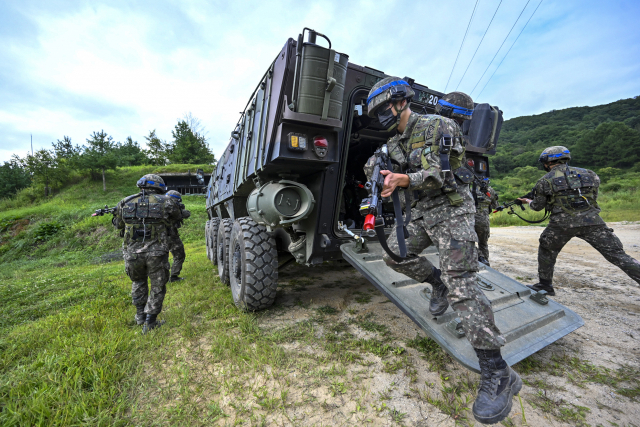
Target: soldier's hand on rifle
525 200
393 180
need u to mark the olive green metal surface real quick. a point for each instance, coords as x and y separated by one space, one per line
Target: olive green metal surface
528 324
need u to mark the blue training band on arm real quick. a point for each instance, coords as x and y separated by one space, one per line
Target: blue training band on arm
456 109
385 87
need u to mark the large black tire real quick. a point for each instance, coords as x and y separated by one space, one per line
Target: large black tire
222 250
207 226
254 265
212 240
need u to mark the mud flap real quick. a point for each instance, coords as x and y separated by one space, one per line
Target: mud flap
527 323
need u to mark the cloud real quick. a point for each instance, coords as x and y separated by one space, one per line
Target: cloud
71 68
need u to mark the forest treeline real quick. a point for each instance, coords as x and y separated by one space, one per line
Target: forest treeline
52 168
604 138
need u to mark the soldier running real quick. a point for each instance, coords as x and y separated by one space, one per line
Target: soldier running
144 220
176 247
486 200
570 194
443 216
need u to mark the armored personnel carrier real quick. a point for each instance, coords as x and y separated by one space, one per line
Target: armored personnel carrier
289 185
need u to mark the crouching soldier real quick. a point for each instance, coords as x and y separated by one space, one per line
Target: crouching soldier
570 194
145 220
176 247
427 146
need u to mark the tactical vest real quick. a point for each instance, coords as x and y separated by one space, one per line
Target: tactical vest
574 190
144 217
422 142
484 201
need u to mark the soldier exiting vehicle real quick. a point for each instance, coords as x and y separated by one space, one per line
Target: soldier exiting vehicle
443 216
570 194
486 199
176 247
145 220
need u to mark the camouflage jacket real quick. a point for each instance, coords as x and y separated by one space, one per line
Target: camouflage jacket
571 195
485 203
184 214
146 224
416 149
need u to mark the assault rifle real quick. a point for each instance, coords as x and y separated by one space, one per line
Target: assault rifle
371 207
106 210
516 202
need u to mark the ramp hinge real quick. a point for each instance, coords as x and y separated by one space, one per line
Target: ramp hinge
454 326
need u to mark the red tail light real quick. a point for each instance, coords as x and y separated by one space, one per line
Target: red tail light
369 222
471 163
320 142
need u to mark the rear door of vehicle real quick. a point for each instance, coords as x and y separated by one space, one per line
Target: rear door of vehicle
527 322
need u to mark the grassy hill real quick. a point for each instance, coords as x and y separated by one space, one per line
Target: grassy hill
604 138
60 229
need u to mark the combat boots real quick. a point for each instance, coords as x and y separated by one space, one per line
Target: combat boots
483 260
175 278
543 286
140 316
498 384
151 323
438 304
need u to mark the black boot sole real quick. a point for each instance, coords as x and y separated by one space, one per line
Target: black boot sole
516 386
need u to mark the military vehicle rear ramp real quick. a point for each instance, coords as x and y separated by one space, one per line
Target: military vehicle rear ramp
529 321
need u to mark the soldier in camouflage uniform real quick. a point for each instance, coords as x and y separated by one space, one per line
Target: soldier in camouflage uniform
486 200
176 247
443 216
144 220
571 194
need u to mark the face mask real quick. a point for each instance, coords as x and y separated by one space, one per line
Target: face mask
387 119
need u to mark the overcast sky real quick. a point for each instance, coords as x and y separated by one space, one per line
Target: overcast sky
127 67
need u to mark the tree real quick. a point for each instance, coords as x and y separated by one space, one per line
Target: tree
130 154
157 149
12 178
43 168
67 156
189 146
100 155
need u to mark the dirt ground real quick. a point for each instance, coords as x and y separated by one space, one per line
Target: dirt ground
559 390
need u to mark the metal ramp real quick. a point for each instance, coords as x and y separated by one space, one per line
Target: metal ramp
528 320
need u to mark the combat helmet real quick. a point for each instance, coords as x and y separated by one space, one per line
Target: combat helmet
555 153
457 105
175 194
152 182
387 90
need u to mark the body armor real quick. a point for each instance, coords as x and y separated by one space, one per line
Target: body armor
144 217
574 190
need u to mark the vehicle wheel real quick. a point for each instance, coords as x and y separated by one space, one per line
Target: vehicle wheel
207 242
213 239
222 251
254 265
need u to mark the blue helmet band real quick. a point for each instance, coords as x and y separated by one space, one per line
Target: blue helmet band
456 109
177 197
142 181
385 87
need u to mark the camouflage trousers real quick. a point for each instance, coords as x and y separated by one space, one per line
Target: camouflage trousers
601 237
155 266
176 247
455 239
483 230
